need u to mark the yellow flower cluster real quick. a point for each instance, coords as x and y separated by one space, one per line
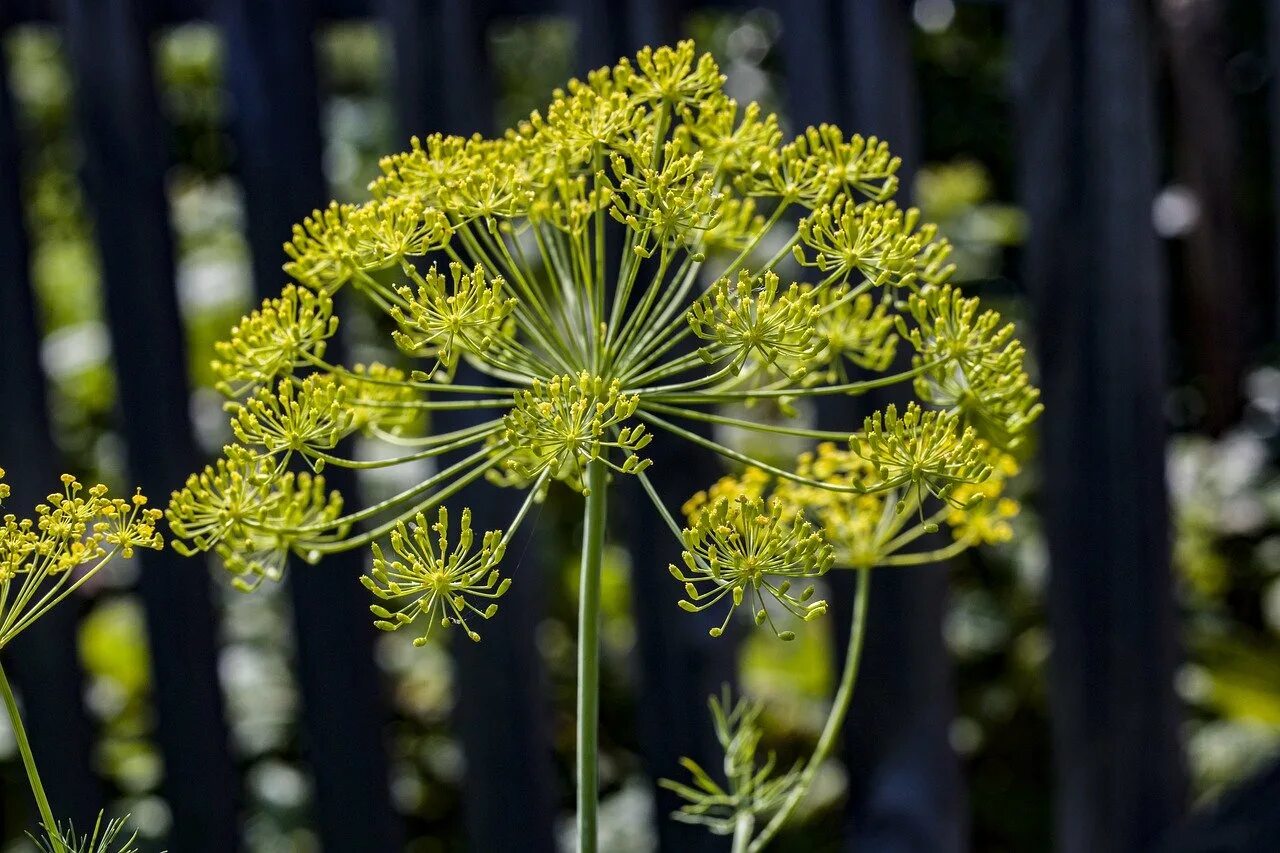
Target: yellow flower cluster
868 518
565 261
75 529
563 424
438 577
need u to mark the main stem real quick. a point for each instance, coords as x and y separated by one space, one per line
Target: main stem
743 827
835 721
29 762
589 655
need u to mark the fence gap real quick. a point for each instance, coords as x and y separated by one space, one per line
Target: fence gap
276 124
125 161
44 659
1088 159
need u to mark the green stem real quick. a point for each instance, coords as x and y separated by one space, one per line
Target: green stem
29 762
835 721
589 655
742 829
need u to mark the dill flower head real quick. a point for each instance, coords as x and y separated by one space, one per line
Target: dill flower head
614 268
441 581
744 549
68 539
567 422
923 450
276 339
971 362
872 521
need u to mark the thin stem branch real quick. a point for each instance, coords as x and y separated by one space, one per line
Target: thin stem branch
835 720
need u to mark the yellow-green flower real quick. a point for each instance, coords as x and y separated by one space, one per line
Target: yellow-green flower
441 580
744 549
72 536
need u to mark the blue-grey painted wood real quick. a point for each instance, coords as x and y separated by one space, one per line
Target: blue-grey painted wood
599 31
271 76
124 169
907 791
442 75
1273 56
1086 102
850 63
43 660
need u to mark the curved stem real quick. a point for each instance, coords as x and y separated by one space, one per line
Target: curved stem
835 720
29 762
589 655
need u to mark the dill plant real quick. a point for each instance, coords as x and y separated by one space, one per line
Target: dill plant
44 558
613 268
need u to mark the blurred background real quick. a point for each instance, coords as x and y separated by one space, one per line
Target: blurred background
1110 680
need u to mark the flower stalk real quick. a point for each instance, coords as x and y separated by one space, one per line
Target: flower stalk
29 762
831 729
588 758
44 559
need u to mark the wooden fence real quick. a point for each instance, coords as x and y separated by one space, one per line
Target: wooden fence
1086 99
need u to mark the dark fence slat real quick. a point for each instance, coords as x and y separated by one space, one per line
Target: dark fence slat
43 660
809 43
907 790
444 88
1088 158
271 76
599 28
510 792
1221 330
125 163
851 63
1273 108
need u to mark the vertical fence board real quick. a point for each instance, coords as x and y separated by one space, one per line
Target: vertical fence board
1195 39
1273 106
442 75
272 79
907 791
598 32
43 660
442 80
851 64
125 162
809 58
1085 94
